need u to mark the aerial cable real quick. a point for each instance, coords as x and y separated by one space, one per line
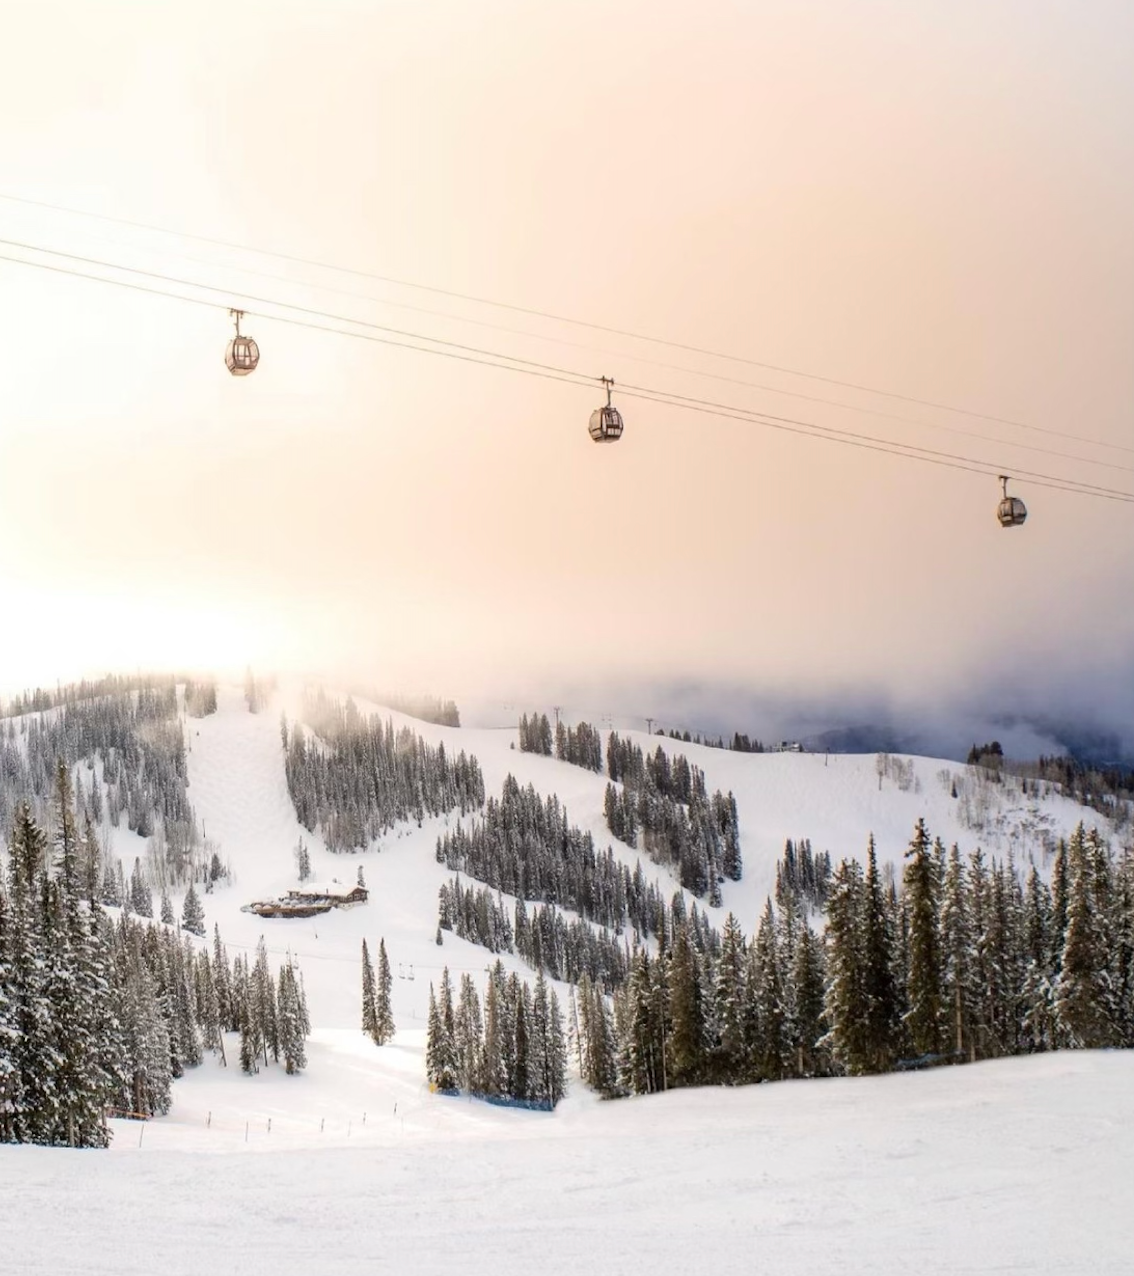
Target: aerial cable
567 376
567 379
590 349
979 467
533 312
680 400
283 305
582 378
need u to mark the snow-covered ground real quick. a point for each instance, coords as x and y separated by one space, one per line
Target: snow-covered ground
353 1166
1015 1166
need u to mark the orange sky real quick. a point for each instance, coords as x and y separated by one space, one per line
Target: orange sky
934 198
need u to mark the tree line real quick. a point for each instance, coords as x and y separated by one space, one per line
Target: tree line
98 1014
563 947
802 876
960 960
131 740
664 801
662 804
358 776
426 708
514 1048
525 846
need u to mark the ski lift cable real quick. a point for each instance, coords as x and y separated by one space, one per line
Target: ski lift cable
551 316
681 369
284 305
946 460
506 362
569 379
739 413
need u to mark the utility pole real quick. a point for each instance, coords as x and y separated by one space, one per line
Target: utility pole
557 707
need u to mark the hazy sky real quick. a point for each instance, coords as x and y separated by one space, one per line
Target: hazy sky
933 198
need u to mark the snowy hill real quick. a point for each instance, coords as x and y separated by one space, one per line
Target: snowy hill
239 792
776 1171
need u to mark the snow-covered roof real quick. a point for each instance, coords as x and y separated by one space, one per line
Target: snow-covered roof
332 890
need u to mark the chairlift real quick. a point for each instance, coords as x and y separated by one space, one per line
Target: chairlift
606 422
243 354
1011 511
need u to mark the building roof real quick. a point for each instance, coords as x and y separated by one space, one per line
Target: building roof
330 890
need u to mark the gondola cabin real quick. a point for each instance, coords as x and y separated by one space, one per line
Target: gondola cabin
1011 512
242 354
606 422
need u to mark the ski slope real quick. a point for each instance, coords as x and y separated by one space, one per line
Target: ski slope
238 789
355 1166
1015 1166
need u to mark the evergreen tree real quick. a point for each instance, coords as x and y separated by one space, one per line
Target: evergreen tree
369 1007
383 1013
772 1047
468 1032
1084 1004
924 1017
688 1040
729 1004
440 1047
806 983
880 991
192 914
846 1004
290 1017
957 943
492 1074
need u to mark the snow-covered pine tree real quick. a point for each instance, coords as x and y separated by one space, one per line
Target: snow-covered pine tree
556 1066
264 1004
846 1008
492 1072
33 1077
289 1017
468 1036
369 1009
1084 1001
730 997
924 1018
192 913
686 1053
772 1050
383 1011
141 897
880 991
806 981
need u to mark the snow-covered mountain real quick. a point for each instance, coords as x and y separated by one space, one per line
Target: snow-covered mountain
720 1173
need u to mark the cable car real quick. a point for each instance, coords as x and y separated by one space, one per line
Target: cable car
243 354
606 423
1011 511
